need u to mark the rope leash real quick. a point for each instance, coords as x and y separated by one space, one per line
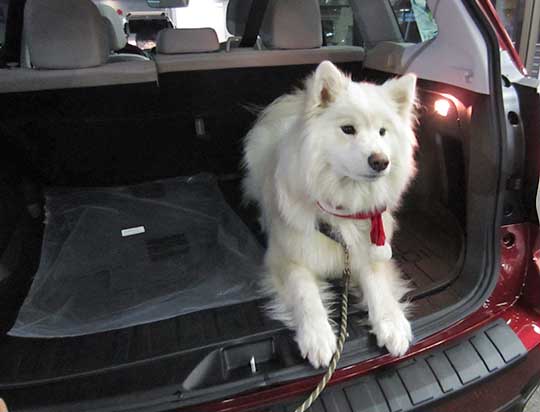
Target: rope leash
341 338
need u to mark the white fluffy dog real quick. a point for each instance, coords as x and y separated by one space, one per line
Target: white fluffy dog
337 153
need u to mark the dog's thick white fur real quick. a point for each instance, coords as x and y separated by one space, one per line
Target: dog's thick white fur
313 146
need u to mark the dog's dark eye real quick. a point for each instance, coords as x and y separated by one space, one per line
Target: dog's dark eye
348 129
382 131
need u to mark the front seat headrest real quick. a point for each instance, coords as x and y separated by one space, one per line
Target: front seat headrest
115 25
237 15
292 24
180 41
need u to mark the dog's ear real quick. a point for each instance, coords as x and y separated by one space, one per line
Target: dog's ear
403 92
327 82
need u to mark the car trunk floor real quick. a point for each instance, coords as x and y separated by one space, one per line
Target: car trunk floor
428 247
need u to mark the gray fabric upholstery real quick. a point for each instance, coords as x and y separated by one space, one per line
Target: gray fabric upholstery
117 36
237 15
167 63
115 27
110 34
25 53
65 34
24 80
292 24
69 39
179 41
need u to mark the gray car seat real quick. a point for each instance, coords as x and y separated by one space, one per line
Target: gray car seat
117 36
67 45
291 34
236 18
182 41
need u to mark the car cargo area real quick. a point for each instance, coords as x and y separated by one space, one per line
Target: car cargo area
207 348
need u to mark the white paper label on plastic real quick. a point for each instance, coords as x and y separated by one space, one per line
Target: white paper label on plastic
133 231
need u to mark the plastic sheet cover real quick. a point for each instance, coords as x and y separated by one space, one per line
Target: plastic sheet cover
118 257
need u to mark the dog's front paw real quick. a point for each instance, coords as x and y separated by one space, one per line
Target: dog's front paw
393 330
317 343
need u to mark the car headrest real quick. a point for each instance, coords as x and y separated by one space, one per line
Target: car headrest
115 26
65 34
292 24
179 41
237 15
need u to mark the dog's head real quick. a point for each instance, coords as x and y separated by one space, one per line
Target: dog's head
359 138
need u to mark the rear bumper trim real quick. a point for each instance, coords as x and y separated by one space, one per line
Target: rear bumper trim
425 378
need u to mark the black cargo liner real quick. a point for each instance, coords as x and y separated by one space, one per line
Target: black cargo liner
429 247
408 385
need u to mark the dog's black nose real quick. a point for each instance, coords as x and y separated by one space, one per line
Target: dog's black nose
378 162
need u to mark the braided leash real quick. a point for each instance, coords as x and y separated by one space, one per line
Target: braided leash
341 338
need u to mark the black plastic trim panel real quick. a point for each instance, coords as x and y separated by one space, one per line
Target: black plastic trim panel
426 378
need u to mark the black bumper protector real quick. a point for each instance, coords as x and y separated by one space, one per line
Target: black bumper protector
424 379
409 385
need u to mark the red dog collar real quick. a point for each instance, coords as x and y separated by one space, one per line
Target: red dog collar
378 237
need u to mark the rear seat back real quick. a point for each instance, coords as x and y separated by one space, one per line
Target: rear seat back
206 93
77 118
